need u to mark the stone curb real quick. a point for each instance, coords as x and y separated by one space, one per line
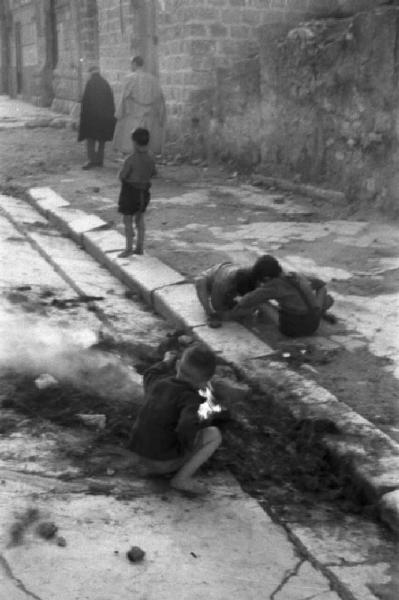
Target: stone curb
359 449
300 188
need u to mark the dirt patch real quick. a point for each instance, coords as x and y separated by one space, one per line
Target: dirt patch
272 455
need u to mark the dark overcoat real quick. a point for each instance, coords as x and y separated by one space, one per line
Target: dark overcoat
97 112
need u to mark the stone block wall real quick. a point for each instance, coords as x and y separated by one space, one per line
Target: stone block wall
115 39
67 79
330 104
23 16
196 38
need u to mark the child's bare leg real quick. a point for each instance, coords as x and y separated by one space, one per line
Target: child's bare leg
208 440
129 235
140 225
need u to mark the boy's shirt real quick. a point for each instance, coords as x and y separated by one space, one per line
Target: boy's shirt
281 289
168 422
138 169
221 285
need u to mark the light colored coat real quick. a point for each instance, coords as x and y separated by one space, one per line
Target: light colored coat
141 105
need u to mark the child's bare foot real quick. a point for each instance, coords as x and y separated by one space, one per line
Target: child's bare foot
125 253
330 318
189 486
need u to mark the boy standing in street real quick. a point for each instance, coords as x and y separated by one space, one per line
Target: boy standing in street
135 177
167 435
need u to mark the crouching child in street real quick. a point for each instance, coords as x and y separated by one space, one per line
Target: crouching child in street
168 434
302 301
135 177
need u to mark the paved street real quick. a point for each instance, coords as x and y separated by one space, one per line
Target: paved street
200 215
226 545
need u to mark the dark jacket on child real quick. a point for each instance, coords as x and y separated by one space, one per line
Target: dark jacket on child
168 422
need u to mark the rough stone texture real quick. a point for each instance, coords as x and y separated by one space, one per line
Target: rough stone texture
219 100
329 97
233 342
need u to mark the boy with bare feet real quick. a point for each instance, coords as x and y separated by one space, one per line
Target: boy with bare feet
135 176
167 434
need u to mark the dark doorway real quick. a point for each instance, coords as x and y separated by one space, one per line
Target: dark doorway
18 58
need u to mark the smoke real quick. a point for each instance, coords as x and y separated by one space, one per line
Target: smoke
30 345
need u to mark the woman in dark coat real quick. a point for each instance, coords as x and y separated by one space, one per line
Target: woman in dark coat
97 120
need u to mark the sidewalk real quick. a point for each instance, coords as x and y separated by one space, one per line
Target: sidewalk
198 222
220 546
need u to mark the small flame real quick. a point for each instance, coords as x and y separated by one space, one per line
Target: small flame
208 406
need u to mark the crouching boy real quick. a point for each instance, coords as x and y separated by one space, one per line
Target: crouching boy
167 434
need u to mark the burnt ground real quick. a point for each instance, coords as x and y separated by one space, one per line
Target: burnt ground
277 460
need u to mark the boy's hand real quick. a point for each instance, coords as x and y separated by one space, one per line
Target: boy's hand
170 357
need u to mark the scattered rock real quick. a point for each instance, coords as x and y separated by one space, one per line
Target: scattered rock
45 381
93 421
185 340
135 554
61 541
46 530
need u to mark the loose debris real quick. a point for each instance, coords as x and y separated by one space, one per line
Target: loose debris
135 554
46 530
271 454
61 541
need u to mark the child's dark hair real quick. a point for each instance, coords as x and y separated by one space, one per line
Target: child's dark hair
266 266
201 359
141 136
138 60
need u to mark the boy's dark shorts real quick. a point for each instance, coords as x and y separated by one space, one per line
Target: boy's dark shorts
294 325
130 199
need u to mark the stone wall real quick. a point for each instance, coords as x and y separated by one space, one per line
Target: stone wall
77 40
22 19
329 104
196 39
